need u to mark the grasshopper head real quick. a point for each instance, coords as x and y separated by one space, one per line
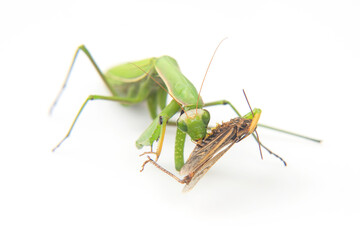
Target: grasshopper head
194 123
254 116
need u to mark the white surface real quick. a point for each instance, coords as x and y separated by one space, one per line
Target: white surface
299 63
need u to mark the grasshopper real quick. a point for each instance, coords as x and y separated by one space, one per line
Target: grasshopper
151 80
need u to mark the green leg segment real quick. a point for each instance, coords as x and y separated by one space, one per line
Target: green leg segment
222 102
152 105
225 102
290 133
161 98
179 149
87 53
94 97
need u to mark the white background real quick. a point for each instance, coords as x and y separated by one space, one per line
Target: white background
299 62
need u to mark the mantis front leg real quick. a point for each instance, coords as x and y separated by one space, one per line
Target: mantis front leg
162 123
156 130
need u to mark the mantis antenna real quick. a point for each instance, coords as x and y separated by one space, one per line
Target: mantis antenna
202 83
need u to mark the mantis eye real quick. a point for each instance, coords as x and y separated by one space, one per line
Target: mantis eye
205 117
182 125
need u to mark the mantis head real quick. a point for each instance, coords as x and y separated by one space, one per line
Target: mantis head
194 123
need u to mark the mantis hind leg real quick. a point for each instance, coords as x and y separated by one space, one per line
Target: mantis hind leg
89 98
87 53
225 102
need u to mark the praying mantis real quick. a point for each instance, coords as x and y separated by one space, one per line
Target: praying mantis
151 80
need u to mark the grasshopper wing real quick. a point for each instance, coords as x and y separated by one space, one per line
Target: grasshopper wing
206 150
203 157
202 170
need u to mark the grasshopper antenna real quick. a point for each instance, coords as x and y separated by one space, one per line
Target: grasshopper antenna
202 83
257 135
258 140
160 86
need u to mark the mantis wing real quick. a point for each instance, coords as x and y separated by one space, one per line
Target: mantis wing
130 72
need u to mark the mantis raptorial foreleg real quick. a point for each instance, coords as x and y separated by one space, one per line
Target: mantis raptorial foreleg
160 141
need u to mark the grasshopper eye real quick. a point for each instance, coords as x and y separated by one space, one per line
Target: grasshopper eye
181 124
205 117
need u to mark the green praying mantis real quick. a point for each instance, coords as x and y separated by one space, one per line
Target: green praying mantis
151 80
